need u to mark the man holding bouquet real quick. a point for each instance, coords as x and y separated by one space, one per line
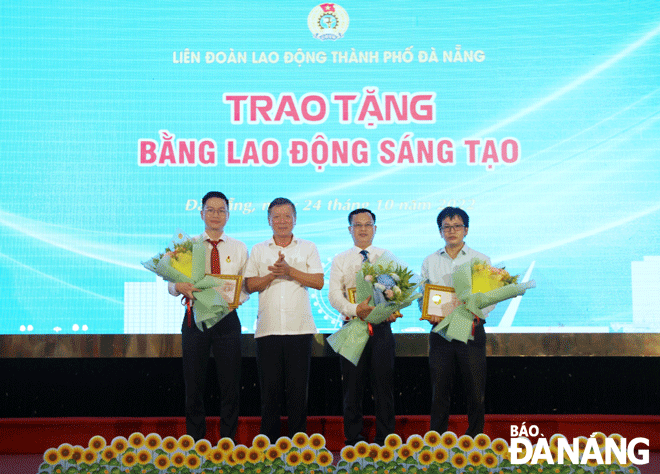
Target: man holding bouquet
282 269
377 360
227 256
444 355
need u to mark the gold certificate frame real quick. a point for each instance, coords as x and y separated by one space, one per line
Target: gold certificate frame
435 297
230 289
351 297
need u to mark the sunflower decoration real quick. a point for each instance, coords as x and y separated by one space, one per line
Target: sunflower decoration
169 444
52 456
255 455
65 451
153 441
230 459
162 462
386 454
185 443
261 442
374 451
77 453
97 443
108 454
202 447
119 444
89 456
348 453
307 456
178 459
592 462
554 442
226 445
300 440
416 442
393 441
324 458
448 440
600 438
240 453
362 449
432 439
317 441
475 458
136 440
482 441
283 444
425 457
466 443
618 439
192 461
582 443
215 455
293 458
459 460
129 459
489 460
273 453
404 452
440 455
499 446
144 457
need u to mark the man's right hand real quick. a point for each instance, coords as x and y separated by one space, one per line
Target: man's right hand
363 309
186 289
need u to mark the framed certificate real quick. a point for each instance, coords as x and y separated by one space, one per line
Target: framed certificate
351 297
438 301
230 289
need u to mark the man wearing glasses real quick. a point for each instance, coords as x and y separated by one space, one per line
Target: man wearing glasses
377 361
445 356
227 256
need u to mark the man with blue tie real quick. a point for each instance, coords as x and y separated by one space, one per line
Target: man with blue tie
377 361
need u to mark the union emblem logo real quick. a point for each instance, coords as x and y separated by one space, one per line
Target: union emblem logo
328 21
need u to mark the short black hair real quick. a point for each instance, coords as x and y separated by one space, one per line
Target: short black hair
214 194
360 211
451 212
280 201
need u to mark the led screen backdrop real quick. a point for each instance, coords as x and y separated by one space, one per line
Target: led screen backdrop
539 119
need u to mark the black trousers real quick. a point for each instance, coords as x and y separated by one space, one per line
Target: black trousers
470 358
376 364
225 339
283 363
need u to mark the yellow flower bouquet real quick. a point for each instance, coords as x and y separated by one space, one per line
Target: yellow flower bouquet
185 261
477 286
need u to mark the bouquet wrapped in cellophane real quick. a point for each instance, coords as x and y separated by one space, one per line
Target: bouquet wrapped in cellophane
185 262
477 286
391 287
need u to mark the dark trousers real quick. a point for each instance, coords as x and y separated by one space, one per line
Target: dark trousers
225 339
470 358
283 363
377 364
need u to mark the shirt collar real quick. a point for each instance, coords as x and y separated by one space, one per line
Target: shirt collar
271 241
463 251
205 237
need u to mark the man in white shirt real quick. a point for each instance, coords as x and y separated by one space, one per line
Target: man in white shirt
281 269
223 337
377 360
445 356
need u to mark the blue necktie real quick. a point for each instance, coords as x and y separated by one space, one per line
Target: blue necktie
365 255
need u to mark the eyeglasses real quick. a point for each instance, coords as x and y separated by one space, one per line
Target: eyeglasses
216 212
361 226
452 228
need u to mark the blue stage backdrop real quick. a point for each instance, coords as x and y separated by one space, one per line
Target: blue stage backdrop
540 119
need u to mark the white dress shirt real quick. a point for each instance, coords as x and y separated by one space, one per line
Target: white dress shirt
342 277
438 267
233 259
284 306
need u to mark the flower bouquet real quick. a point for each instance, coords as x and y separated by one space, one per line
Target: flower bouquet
391 287
186 262
477 286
